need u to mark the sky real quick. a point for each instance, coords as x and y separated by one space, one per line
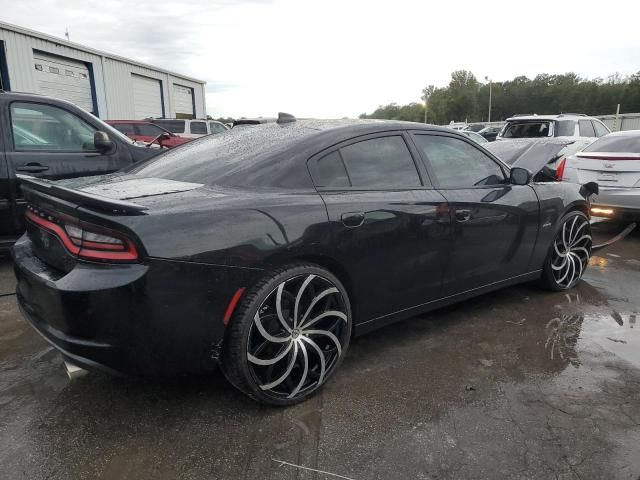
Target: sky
332 58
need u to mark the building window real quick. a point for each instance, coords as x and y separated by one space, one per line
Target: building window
68 73
38 67
55 70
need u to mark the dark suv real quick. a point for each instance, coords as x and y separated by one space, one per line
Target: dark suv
50 138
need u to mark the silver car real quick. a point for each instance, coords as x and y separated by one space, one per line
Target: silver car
612 161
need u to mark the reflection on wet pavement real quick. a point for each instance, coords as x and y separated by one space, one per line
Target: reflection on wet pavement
520 383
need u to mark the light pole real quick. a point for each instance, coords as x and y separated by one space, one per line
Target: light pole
487 79
426 92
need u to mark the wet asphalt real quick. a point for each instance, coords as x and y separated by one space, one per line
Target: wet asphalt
516 384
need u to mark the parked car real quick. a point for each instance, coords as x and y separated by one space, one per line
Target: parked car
490 133
563 125
546 156
191 128
474 136
264 249
612 161
50 138
147 132
474 127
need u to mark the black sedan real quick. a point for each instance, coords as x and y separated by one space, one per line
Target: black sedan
264 250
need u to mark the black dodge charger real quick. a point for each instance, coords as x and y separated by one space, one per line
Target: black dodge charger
266 248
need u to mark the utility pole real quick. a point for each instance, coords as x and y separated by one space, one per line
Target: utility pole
489 80
66 33
426 93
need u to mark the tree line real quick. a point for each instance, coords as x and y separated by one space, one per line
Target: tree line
467 99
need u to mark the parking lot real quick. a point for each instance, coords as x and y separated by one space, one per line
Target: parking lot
521 383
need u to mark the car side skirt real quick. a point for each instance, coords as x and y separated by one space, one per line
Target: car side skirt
370 325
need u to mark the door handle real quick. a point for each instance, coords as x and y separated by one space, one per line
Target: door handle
463 215
32 168
352 219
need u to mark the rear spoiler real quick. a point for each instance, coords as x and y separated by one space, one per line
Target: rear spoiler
89 200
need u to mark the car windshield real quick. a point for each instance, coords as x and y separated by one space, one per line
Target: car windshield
527 129
227 158
616 143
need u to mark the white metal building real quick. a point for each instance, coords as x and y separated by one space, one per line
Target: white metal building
110 86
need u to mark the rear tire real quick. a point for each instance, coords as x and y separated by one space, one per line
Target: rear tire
569 253
288 335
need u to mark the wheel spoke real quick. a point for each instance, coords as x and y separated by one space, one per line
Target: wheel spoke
277 358
303 349
279 307
264 333
315 346
330 313
317 298
577 232
327 334
298 297
284 376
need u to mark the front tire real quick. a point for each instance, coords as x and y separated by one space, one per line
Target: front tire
569 253
288 335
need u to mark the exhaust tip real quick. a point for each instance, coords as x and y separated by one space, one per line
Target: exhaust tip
73 371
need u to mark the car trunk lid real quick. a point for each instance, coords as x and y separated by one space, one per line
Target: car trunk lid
609 169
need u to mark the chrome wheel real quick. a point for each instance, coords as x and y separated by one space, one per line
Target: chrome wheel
571 251
297 337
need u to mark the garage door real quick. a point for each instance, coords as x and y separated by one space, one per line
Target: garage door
63 78
147 97
183 101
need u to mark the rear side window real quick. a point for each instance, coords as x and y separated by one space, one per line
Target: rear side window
565 128
600 129
528 129
380 163
174 126
616 144
329 172
458 164
586 128
199 128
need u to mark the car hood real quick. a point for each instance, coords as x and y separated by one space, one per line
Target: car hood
532 154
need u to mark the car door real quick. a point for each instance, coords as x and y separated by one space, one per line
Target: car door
387 223
7 227
52 142
494 223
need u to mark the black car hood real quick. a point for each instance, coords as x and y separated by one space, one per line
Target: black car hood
532 154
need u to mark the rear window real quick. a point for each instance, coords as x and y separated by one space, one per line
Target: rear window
528 129
174 126
616 143
239 157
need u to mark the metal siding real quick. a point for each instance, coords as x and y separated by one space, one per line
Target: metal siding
113 92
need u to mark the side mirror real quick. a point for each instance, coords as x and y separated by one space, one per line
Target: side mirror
164 137
102 142
520 176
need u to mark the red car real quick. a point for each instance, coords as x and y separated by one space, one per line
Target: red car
147 132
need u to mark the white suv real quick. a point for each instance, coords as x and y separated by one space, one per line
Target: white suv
191 128
563 125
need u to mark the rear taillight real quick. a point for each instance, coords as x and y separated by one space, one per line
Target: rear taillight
87 241
560 169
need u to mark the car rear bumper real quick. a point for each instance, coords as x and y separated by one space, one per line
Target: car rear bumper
161 317
621 203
